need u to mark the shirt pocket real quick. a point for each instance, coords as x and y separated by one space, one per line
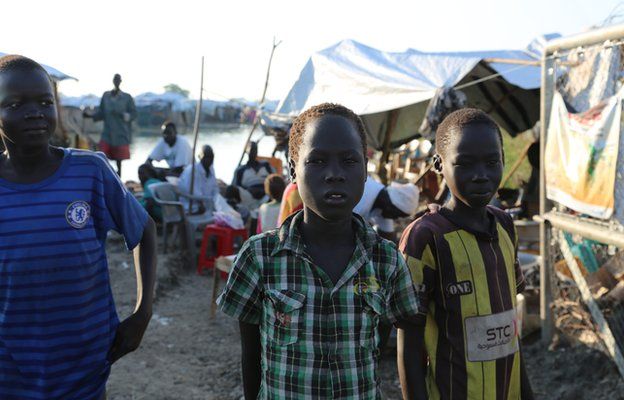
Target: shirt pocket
373 308
283 316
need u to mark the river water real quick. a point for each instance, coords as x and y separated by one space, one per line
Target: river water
226 141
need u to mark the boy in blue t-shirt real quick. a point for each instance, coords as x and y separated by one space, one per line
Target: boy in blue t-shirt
59 331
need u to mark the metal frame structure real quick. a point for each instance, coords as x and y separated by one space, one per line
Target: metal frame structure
552 222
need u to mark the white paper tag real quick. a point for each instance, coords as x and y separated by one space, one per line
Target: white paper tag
491 337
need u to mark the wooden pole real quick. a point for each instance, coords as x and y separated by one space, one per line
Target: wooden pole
196 131
516 165
601 323
393 116
266 85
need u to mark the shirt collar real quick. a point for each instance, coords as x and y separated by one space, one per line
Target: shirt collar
290 237
490 235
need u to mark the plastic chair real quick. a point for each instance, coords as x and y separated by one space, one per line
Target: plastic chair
172 209
225 244
275 162
173 212
222 265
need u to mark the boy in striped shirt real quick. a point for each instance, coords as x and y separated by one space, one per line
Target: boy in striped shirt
59 331
463 261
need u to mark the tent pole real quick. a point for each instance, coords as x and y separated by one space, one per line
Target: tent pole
196 131
266 85
393 116
516 165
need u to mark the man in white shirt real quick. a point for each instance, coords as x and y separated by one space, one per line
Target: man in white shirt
380 205
176 151
205 183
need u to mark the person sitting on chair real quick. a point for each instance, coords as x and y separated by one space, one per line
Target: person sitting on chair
205 184
176 151
251 176
381 205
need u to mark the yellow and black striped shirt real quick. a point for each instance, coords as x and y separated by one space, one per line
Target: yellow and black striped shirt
467 283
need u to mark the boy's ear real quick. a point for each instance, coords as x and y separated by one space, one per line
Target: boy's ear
437 164
291 170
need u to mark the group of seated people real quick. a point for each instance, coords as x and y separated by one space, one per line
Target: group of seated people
245 195
177 153
257 192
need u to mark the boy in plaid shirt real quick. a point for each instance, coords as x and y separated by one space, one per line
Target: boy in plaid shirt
310 295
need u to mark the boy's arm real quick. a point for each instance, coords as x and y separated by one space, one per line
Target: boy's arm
410 344
250 359
131 330
416 244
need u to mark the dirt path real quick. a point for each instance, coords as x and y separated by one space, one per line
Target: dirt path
186 355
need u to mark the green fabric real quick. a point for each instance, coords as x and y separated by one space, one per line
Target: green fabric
117 132
319 340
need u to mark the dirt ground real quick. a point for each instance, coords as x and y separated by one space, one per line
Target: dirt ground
187 355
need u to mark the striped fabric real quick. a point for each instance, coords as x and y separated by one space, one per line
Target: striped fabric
467 283
319 340
57 316
291 203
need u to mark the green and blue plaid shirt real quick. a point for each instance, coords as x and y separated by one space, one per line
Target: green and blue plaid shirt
319 340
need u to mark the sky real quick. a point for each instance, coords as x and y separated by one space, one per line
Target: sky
153 43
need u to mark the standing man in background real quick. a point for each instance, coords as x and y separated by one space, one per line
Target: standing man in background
117 110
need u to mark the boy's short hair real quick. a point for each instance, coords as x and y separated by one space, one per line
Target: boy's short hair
299 125
456 121
15 62
274 186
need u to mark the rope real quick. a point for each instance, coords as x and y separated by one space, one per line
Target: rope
487 78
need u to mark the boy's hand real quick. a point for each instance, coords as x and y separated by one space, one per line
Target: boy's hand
129 334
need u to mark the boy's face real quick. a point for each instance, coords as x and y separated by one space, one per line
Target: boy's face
473 165
331 169
27 108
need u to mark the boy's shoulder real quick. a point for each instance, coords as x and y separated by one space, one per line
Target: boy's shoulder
262 244
97 159
87 156
427 224
505 220
501 216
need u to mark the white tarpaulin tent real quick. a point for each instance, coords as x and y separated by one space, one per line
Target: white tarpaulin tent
373 83
53 72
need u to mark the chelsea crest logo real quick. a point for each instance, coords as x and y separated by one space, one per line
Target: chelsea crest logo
77 214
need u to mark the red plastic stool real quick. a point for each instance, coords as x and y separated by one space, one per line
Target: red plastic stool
225 245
